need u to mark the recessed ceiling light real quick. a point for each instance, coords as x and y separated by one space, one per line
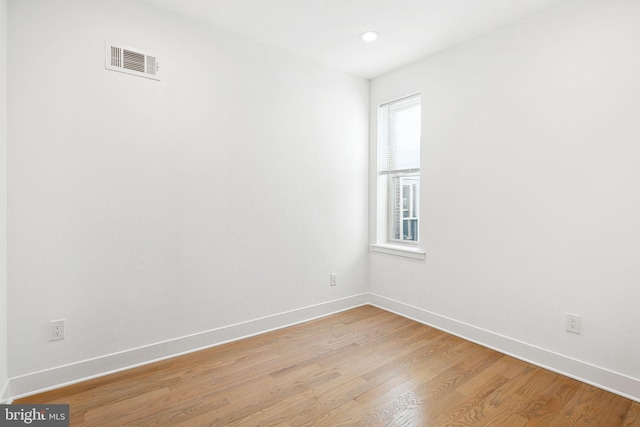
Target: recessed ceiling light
369 36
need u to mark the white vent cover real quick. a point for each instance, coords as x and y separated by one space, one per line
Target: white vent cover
131 61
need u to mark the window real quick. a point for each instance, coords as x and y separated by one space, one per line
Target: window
399 168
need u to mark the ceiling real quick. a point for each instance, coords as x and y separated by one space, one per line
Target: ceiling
327 31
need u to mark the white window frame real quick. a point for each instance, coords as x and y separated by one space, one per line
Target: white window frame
385 240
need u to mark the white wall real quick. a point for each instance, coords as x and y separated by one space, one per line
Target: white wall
530 204
3 197
142 211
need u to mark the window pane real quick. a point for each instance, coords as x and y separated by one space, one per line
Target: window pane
406 200
407 138
405 208
399 135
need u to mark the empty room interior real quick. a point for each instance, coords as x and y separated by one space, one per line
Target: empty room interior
255 201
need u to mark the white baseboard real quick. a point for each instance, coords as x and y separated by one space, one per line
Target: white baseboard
614 382
5 393
37 382
60 376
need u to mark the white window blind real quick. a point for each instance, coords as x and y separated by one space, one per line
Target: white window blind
399 136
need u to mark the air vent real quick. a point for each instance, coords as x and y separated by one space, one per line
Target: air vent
131 61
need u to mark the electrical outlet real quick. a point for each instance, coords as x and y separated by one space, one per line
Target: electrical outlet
57 329
333 279
573 323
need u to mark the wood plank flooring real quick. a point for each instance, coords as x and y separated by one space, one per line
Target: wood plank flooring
362 367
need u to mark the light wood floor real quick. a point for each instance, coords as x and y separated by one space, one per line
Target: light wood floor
362 367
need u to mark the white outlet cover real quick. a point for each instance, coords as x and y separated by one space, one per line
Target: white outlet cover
333 279
573 323
57 329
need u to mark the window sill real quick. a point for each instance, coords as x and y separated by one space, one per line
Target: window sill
398 250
